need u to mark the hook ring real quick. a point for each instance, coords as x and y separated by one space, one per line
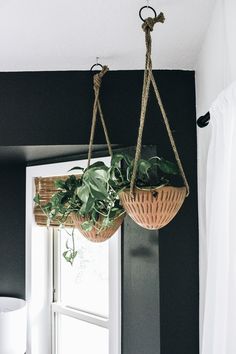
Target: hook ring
94 65
146 7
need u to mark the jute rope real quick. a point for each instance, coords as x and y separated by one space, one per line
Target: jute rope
148 26
97 81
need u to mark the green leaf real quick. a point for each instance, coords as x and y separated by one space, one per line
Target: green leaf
166 166
114 211
59 184
87 225
65 198
47 207
99 194
94 216
98 188
87 207
70 255
75 254
96 165
95 173
76 168
97 182
106 222
83 193
143 167
118 158
72 182
37 198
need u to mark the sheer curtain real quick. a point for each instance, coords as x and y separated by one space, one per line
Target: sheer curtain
218 261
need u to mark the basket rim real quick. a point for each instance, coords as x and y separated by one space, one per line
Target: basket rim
152 189
118 216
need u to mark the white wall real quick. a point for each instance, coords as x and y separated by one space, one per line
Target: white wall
215 70
216 65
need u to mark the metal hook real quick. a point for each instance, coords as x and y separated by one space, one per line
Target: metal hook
146 7
203 121
96 64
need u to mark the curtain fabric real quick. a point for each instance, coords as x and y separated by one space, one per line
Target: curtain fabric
218 260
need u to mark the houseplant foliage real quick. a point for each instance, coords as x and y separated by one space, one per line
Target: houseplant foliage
91 197
151 173
70 252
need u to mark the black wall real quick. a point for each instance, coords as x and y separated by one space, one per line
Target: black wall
41 108
12 235
55 108
141 281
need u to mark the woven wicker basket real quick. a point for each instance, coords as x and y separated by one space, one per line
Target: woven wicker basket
94 235
153 208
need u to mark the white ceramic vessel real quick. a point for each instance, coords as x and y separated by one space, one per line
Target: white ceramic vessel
12 325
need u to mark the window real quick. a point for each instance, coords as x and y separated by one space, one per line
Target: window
72 309
85 285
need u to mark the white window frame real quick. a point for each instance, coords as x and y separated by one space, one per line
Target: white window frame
41 307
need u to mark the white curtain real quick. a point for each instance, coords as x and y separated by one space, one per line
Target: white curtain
218 248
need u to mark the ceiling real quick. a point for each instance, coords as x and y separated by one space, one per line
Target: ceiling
34 154
69 34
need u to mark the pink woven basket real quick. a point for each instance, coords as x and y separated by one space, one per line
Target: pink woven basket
153 208
95 235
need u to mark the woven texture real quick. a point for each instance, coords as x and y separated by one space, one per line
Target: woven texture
153 208
95 235
45 187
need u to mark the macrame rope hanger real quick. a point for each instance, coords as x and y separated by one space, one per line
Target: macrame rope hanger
97 109
147 26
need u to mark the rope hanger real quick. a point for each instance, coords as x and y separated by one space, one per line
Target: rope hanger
148 26
97 81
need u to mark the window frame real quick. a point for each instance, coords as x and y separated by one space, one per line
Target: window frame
50 307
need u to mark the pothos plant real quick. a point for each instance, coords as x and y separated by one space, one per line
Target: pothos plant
70 253
152 172
93 195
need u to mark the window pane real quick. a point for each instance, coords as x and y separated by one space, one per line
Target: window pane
78 337
85 285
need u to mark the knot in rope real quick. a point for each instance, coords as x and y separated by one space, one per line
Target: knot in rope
97 79
149 23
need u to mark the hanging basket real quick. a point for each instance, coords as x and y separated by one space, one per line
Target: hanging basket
153 208
96 235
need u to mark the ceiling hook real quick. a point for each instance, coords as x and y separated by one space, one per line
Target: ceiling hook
147 7
96 64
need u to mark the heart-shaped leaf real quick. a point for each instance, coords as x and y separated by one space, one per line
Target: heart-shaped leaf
83 193
166 166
